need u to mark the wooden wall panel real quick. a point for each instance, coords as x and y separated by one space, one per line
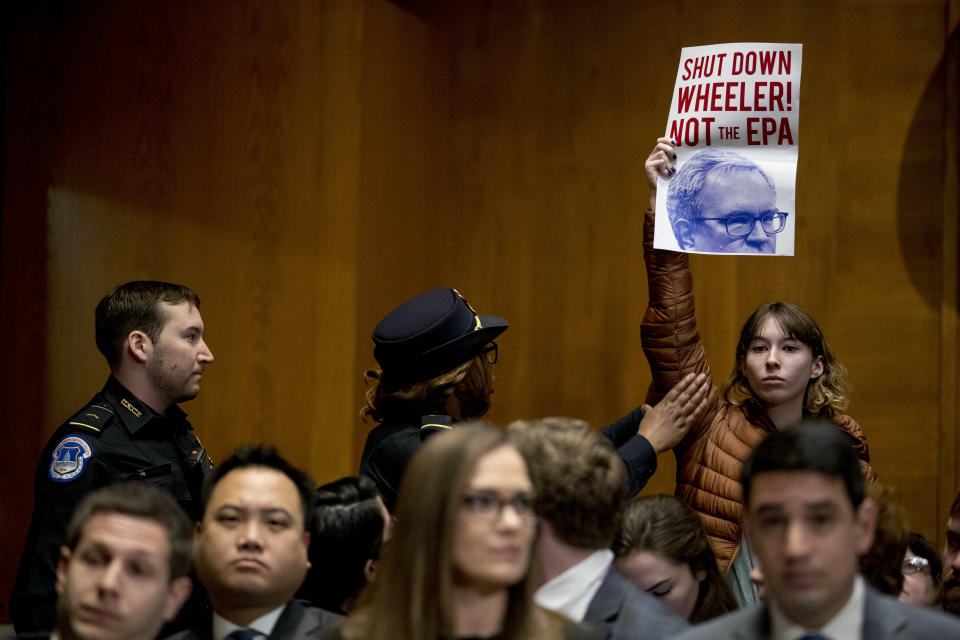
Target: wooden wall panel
308 165
219 145
556 106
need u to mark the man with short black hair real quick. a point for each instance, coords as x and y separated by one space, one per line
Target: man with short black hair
808 520
151 335
251 550
581 485
123 566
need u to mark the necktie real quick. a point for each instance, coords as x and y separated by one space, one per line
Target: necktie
245 634
814 636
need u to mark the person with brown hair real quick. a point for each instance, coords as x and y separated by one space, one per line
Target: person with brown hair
152 337
123 566
784 371
436 356
581 487
661 548
882 565
458 563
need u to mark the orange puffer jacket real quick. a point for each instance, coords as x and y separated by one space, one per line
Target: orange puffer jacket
710 458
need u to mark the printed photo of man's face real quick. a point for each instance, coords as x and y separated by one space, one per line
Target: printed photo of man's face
726 204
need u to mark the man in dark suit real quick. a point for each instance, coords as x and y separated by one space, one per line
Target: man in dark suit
251 550
580 485
808 522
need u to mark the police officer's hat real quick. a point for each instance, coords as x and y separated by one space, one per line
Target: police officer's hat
431 334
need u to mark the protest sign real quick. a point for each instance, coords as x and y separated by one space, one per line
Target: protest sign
734 117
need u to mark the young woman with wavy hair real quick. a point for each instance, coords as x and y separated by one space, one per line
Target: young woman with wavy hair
784 371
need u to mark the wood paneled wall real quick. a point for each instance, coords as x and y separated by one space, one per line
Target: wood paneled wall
306 166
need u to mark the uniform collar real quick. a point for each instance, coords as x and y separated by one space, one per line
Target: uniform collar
135 414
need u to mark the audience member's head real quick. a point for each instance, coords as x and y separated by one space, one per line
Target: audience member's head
950 587
581 482
251 546
123 567
435 355
806 480
136 306
662 549
350 524
921 569
464 530
151 334
824 395
882 565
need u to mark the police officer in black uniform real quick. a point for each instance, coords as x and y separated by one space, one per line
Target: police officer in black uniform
435 354
151 334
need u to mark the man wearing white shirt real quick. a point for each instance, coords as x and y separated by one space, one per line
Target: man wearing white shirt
581 484
251 550
808 522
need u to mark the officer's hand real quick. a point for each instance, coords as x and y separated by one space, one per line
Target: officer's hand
666 424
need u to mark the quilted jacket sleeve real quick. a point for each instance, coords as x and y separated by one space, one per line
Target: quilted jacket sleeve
669 334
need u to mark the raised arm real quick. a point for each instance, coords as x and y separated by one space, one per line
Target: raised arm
669 334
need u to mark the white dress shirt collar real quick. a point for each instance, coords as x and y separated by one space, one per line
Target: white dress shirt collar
846 625
571 592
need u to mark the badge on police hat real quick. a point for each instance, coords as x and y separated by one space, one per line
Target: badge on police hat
69 459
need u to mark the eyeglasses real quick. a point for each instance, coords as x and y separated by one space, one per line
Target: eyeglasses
490 352
488 507
740 224
915 565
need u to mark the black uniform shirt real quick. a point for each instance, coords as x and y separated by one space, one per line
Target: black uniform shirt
114 438
390 446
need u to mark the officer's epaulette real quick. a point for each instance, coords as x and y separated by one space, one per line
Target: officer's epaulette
92 418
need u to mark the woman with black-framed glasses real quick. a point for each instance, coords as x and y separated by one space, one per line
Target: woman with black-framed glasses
457 566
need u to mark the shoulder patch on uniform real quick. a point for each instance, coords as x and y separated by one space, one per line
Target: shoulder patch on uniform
69 459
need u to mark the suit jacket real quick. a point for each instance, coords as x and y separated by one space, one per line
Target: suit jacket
621 610
298 620
884 618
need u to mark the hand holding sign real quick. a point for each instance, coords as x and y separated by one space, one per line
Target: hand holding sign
660 164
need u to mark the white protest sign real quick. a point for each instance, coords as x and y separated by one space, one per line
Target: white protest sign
735 117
